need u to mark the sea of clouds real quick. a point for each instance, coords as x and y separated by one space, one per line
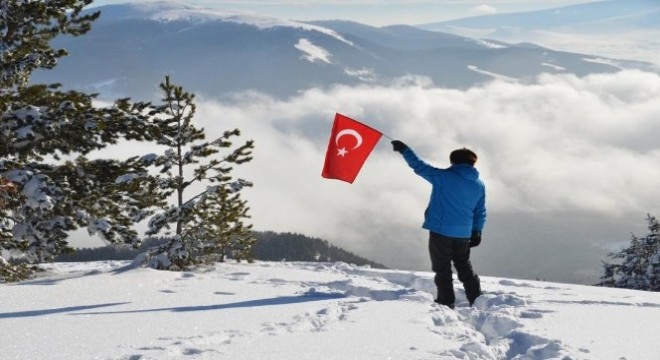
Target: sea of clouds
571 166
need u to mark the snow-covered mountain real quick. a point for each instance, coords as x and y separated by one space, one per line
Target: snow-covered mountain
612 15
313 311
132 46
607 28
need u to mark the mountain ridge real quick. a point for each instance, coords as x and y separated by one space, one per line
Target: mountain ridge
128 52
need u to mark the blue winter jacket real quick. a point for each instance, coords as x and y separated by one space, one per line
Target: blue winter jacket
458 199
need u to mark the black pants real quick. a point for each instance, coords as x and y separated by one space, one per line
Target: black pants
443 251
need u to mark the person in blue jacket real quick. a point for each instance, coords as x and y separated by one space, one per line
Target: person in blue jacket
455 218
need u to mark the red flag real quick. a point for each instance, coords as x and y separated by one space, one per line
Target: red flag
350 144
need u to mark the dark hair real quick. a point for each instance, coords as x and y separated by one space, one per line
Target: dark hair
463 156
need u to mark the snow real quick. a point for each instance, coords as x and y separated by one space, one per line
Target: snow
175 11
34 188
149 158
491 74
313 52
24 133
28 112
603 61
556 67
278 310
489 44
362 74
127 178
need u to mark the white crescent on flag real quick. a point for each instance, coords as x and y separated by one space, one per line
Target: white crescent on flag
338 163
352 132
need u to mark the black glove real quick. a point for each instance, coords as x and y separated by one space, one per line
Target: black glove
399 146
475 239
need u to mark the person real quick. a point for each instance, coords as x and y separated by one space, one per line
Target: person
455 218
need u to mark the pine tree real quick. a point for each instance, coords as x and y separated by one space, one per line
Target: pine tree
49 187
651 251
221 232
185 148
638 265
27 27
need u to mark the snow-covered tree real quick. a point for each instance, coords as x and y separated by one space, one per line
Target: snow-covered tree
49 187
637 266
189 160
26 29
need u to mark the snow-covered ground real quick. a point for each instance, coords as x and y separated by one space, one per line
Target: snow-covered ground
271 310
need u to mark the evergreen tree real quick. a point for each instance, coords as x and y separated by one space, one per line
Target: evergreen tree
273 246
185 148
26 29
638 266
220 229
49 187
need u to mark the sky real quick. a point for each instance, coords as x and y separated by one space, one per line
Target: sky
375 12
307 311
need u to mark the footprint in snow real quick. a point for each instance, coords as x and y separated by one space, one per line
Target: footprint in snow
495 331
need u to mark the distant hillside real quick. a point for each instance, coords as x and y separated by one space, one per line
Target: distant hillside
296 247
270 246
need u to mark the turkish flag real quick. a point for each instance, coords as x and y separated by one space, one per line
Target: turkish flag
350 144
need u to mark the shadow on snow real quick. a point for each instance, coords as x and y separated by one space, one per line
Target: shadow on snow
29 313
280 300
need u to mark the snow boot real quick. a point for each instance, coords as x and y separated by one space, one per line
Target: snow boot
472 289
451 306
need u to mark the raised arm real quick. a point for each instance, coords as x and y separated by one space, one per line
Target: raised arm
420 167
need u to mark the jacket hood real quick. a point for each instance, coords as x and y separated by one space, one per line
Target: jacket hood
465 171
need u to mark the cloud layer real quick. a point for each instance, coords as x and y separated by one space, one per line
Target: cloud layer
562 147
571 167
484 9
